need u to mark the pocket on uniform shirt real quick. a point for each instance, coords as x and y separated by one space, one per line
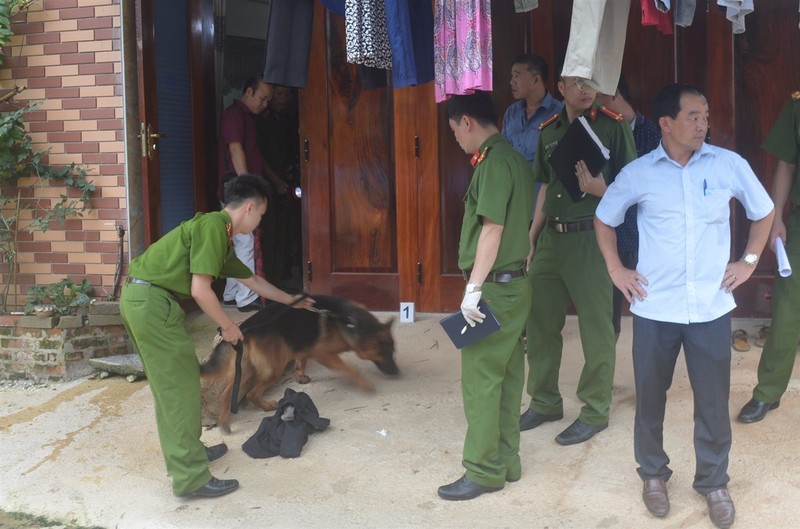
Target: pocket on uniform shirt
715 206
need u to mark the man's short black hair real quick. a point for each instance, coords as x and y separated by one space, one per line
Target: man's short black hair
624 89
668 101
243 187
251 83
534 63
478 106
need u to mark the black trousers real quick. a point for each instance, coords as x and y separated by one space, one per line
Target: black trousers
708 360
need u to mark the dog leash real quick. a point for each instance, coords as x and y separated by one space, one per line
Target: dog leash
239 348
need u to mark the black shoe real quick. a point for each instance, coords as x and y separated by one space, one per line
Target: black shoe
215 452
229 302
531 419
578 432
254 306
464 489
214 488
755 410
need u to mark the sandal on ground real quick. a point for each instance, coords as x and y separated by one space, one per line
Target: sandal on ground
739 340
761 338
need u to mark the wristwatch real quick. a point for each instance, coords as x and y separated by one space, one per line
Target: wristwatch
472 288
750 259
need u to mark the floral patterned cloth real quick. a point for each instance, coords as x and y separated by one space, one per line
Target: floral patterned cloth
462 47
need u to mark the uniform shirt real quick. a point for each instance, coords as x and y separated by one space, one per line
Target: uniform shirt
201 245
615 135
237 125
783 141
684 228
501 190
521 131
646 136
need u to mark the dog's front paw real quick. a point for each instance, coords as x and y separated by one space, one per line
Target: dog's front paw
366 385
270 405
303 379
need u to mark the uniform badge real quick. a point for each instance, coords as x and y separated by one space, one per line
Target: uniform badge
229 231
548 121
479 156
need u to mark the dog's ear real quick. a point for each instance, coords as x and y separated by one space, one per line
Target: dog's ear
389 323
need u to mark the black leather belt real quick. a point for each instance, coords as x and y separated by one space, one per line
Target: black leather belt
570 227
498 276
137 281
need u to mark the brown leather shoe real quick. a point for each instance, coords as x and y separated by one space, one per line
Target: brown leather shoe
720 508
655 497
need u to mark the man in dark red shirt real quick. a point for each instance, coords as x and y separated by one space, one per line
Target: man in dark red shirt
239 154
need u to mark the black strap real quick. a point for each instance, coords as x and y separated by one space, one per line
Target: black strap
239 348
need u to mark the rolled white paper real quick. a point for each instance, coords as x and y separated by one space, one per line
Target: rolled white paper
784 268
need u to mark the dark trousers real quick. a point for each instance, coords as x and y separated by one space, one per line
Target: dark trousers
708 360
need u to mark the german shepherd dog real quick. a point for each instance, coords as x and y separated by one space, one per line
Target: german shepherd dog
277 335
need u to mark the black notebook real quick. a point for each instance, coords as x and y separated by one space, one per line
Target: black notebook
578 143
462 334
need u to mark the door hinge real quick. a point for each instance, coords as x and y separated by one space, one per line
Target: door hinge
305 150
309 271
419 273
416 146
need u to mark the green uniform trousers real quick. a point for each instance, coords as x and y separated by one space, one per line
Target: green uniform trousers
780 348
492 378
570 266
154 321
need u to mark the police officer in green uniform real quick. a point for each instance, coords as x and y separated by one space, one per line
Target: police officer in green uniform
565 264
181 264
492 251
780 348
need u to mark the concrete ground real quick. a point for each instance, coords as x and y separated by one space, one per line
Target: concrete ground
86 452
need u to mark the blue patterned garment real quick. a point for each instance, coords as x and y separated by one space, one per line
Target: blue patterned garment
647 136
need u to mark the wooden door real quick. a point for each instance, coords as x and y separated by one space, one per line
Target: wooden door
349 206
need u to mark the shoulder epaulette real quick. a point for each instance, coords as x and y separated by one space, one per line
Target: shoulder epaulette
548 121
796 95
610 113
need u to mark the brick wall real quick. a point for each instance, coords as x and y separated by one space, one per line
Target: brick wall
67 54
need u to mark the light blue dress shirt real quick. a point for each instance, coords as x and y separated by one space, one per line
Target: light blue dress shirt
684 228
523 132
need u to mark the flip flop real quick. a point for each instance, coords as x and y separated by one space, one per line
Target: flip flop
739 340
762 336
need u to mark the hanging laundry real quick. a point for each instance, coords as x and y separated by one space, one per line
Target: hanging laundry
596 42
462 47
735 11
657 15
367 38
523 6
410 25
288 42
683 10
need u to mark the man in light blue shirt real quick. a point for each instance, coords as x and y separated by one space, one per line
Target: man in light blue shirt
523 119
681 290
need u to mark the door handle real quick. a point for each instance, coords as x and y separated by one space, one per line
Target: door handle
148 137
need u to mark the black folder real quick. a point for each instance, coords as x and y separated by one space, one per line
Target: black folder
461 334
578 143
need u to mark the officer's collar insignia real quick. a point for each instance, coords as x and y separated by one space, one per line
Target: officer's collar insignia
610 113
479 156
548 121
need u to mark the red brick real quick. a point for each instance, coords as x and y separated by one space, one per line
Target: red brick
108 214
86 102
119 135
78 12
83 235
60 4
27 73
61 47
96 23
102 67
106 34
46 126
101 247
98 113
109 258
28 27
76 269
107 79
109 124
77 58
36 115
69 224
44 82
111 169
34 246
91 146
61 137
100 158
24 235
25 279
55 257
15 62
43 38
60 93
105 203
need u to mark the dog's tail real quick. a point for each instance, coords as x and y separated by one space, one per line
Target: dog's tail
218 360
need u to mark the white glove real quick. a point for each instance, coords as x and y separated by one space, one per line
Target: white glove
469 308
